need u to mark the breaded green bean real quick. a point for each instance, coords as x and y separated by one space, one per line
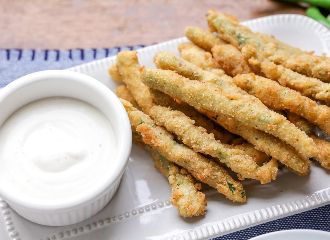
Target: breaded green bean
114 73
310 87
230 59
164 100
212 15
231 31
198 139
214 98
284 46
324 151
128 67
309 65
289 57
200 167
185 195
202 38
123 92
323 155
264 142
259 157
278 97
226 57
197 56
221 134
169 61
300 122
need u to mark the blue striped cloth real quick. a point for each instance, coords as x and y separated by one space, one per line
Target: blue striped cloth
17 63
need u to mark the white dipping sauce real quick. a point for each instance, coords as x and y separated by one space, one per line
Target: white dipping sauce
56 148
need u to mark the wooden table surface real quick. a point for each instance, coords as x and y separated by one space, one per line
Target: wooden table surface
68 24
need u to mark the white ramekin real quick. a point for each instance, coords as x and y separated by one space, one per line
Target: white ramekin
79 86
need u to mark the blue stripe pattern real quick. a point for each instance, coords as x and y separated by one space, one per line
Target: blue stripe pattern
16 63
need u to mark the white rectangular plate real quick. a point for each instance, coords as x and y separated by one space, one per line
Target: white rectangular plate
141 209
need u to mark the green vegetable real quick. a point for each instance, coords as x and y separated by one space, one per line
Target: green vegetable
231 188
314 13
142 121
316 3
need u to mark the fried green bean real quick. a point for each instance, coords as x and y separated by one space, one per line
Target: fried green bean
202 38
277 52
226 57
323 155
185 195
300 122
324 151
230 59
278 97
123 92
284 46
197 55
223 135
259 157
309 65
264 142
198 139
169 61
219 133
128 67
200 167
226 99
310 87
114 73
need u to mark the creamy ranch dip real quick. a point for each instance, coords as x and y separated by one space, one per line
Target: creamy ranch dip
56 148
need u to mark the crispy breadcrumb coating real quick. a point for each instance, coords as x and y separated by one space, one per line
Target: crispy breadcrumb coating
276 51
197 55
200 167
198 139
278 97
307 86
114 73
185 192
223 135
230 59
324 146
223 98
123 92
202 38
219 133
128 66
264 142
